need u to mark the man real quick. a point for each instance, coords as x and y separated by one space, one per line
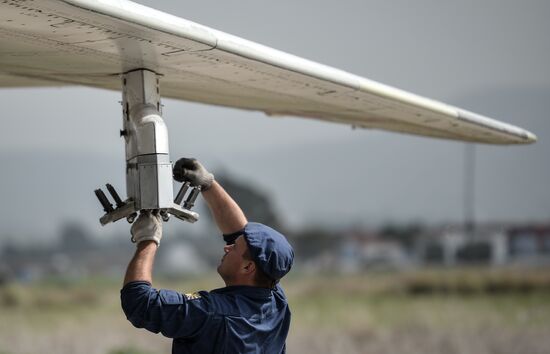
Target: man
249 315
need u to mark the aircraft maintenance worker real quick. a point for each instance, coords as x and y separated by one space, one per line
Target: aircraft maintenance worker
249 315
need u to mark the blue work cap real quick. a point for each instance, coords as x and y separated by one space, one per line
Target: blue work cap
269 249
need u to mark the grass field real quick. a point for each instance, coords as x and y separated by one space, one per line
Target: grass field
468 311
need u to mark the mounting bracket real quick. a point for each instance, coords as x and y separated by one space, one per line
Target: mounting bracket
149 179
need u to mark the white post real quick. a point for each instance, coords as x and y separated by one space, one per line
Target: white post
148 166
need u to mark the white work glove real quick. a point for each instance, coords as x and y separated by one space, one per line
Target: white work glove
148 226
192 171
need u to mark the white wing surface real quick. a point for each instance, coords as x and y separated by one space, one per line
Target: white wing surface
91 42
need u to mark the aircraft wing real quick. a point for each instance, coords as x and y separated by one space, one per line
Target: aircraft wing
92 42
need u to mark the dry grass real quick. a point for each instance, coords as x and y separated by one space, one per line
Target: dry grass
371 313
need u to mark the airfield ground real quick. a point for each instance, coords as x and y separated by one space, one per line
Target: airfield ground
452 312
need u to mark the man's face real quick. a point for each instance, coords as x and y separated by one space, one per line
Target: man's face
232 260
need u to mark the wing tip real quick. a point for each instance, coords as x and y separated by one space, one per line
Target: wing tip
514 134
530 138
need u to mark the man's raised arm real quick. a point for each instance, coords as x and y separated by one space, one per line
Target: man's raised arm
146 233
226 212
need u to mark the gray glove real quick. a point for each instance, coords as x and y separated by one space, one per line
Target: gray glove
148 226
191 170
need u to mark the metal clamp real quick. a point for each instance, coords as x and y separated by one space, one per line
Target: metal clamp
127 209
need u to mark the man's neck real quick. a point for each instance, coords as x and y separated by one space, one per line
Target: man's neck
237 282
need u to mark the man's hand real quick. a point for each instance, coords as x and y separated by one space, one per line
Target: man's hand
190 170
148 226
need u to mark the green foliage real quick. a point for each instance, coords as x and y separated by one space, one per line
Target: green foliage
13 296
475 281
384 302
128 350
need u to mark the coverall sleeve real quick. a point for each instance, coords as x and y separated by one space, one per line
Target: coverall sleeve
166 311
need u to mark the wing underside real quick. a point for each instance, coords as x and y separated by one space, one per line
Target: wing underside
90 42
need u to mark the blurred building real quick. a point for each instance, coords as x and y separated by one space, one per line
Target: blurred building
78 254
349 251
492 244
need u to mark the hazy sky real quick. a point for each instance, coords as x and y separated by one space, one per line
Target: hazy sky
487 56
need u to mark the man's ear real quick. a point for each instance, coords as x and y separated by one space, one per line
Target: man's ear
249 267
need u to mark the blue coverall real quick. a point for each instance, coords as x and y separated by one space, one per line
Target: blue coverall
234 319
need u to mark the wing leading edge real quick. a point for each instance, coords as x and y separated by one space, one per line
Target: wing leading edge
91 42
